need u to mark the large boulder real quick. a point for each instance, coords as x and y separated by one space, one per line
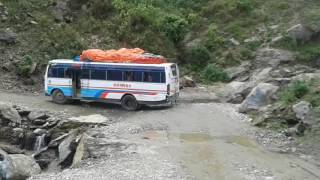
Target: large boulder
17 166
261 75
187 81
8 114
37 115
307 76
235 92
299 33
8 37
268 57
67 148
239 73
263 94
303 111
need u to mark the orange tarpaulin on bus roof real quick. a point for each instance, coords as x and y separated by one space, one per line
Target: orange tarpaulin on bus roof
123 55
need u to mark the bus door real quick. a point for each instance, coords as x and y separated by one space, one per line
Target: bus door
76 85
84 81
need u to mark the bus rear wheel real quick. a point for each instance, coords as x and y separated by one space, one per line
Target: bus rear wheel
58 97
129 103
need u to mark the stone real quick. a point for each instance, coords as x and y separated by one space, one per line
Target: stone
7 113
11 149
300 33
37 115
17 135
80 153
39 131
276 40
262 95
60 10
7 66
33 68
39 122
235 92
297 130
67 148
187 81
252 39
28 141
8 37
261 75
83 121
268 57
306 77
239 73
34 22
19 166
234 42
303 111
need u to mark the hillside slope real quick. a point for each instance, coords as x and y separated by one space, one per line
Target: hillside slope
202 35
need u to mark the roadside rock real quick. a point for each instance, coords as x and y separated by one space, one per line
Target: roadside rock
187 81
268 57
260 96
234 42
60 10
239 73
306 76
235 92
11 149
297 130
261 75
67 149
82 121
7 113
37 115
17 166
303 111
8 37
300 33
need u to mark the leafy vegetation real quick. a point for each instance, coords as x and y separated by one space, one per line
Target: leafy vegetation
302 90
194 33
212 74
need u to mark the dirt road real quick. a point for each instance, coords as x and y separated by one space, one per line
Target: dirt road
201 141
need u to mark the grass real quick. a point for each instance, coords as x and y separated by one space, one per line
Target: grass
158 26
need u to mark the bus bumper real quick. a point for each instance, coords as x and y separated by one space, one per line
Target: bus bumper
173 98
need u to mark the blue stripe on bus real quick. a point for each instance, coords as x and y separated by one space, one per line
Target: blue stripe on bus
92 93
111 67
67 91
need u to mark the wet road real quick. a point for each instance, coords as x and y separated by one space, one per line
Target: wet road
208 141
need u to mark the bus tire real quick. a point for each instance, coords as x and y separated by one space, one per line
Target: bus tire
58 97
130 103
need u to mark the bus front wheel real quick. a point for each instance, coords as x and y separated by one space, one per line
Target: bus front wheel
58 97
129 103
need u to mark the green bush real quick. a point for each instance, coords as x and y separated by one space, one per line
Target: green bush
198 57
245 5
214 40
24 67
175 28
213 74
295 91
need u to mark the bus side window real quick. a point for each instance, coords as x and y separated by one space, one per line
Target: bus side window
128 76
153 77
98 74
114 75
68 73
163 77
85 74
60 73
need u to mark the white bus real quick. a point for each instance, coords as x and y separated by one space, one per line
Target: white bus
130 85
